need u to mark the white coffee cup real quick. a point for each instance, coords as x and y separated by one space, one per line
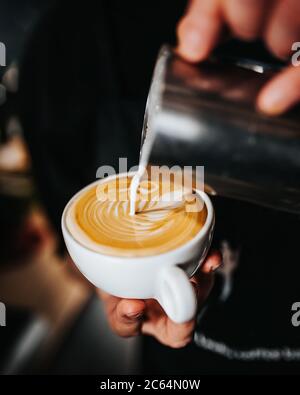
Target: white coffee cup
164 277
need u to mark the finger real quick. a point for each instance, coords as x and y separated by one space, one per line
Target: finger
124 315
203 280
202 283
212 262
245 17
198 31
283 28
165 330
168 332
281 93
127 318
180 335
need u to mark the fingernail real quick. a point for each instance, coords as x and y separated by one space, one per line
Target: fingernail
272 103
214 268
214 261
191 44
134 315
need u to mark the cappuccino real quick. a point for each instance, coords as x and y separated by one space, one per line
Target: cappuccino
99 218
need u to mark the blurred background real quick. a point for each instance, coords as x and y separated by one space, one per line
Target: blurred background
53 318
72 98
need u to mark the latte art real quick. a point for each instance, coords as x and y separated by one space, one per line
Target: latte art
100 219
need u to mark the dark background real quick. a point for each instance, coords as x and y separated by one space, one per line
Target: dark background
78 80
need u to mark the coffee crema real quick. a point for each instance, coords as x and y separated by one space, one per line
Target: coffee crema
99 218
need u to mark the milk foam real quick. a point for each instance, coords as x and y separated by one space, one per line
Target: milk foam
160 223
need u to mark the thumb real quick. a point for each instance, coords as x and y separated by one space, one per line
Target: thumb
127 317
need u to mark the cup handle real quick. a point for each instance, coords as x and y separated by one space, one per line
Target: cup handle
176 294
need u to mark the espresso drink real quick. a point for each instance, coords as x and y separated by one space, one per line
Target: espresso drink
99 218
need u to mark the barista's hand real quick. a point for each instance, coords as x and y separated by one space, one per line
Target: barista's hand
132 317
277 22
